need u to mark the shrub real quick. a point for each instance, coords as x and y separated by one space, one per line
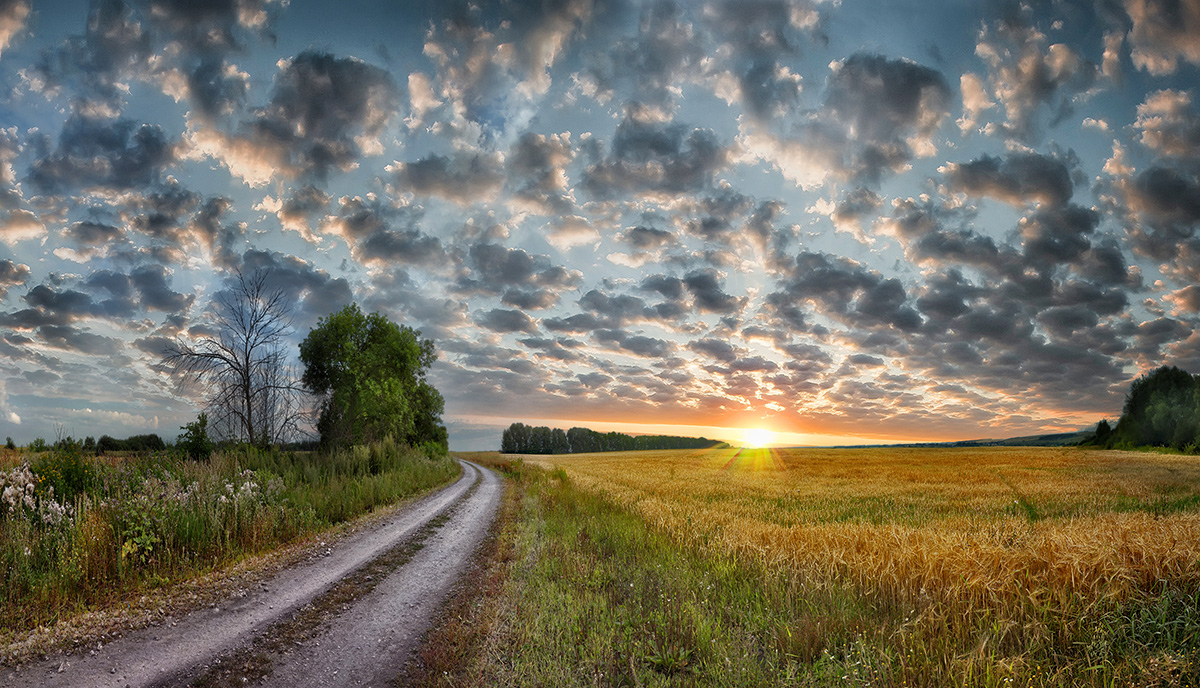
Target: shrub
38 445
65 470
8 443
194 442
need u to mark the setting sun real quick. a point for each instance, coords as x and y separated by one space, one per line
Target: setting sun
757 437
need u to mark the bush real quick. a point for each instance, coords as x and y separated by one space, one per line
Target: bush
8 443
194 442
38 445
65 470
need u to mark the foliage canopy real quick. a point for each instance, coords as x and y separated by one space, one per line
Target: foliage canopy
1162 409
370 375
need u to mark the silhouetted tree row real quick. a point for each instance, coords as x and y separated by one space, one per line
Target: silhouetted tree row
1162 409
519 438
137 443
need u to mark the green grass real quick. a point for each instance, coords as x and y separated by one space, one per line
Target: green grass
113 526
594 596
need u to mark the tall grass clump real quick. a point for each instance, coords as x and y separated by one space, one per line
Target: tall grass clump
76 530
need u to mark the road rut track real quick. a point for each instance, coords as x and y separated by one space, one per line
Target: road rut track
352 616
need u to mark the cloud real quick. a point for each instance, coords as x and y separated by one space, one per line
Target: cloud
1016 179
464 179
19 225
506 320
843 289
381 235
314 292
13 14
115 154
325 113
537 165
753 38
878 114
1163 32
655 158
12 274
491 71
495 269
1025 74
637 345
1169 125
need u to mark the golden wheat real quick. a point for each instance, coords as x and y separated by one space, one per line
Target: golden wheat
1018 536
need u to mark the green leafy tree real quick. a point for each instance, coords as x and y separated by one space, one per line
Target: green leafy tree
1160 410
369 373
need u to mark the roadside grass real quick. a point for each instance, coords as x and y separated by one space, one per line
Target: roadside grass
595 592
84 531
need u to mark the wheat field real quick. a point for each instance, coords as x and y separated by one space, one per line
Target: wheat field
1006 549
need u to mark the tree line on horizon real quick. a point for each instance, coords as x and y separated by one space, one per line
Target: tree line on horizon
519 438
1162 409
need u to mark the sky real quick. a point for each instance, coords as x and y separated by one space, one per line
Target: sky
842 222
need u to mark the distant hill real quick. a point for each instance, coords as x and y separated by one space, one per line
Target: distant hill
1062 439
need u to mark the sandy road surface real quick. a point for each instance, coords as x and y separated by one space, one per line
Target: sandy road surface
405 565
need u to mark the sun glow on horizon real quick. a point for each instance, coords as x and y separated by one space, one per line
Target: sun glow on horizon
758 437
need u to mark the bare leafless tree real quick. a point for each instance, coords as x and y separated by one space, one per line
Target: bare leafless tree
254 395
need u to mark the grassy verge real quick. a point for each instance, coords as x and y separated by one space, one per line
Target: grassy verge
77 532
589 594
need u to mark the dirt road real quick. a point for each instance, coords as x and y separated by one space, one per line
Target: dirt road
351 616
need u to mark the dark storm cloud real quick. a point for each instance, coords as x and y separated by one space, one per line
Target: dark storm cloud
947 296
880 102
1016 179
637 345
705 288
1165 202
464 179
93 234
844 289
314 292
113 154
712 217
647 238
654 157
305 202
665 51
12 274
379 234
594 380
758 36
114 47
875 111
537 167
325 113
153 286
160 211
854 206
208 26
504 320
553 348
717 348
1058 235
670 287
70 338
495 269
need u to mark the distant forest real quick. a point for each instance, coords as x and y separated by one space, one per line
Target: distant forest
527 439
1162 409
